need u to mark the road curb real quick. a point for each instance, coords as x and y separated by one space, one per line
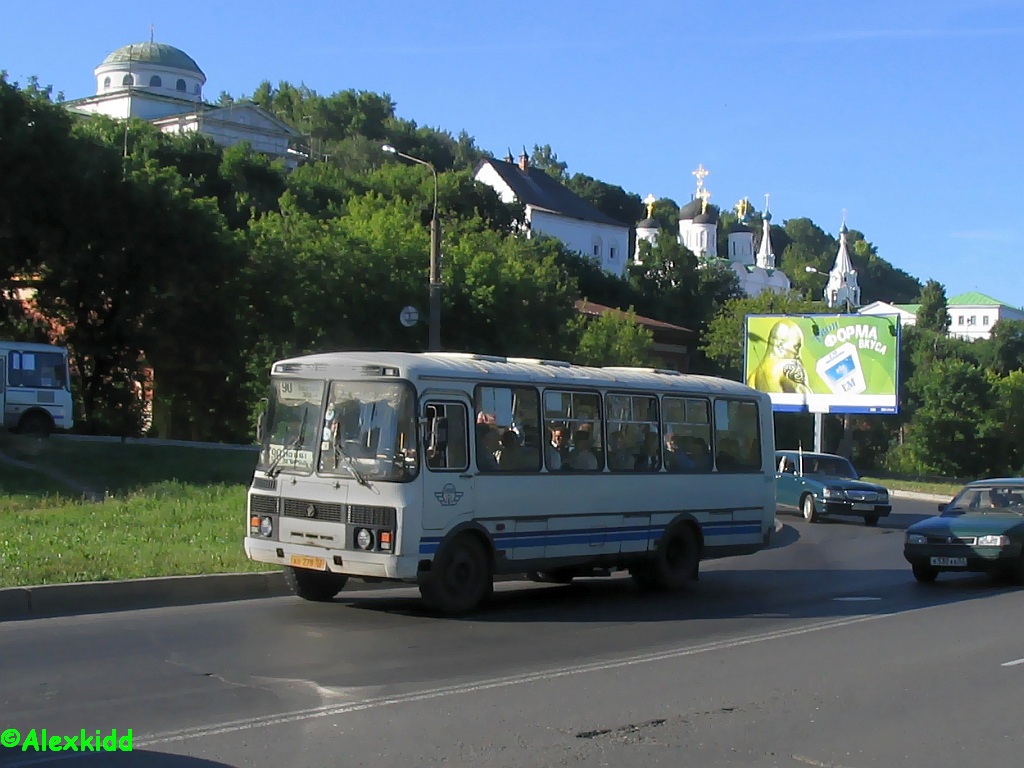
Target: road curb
49 600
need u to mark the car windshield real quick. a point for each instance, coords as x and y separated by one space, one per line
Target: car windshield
833 466
983 499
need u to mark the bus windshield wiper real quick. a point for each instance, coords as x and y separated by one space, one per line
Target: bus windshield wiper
273 470
350 464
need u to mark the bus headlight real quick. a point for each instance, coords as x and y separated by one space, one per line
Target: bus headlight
267 527
364 539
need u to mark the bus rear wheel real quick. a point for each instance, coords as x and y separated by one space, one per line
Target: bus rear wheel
315 586
459 579
675 563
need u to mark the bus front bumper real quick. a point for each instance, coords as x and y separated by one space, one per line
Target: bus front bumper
349 562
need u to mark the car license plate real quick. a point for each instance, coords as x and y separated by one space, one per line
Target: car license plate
863 507
951 562
305 561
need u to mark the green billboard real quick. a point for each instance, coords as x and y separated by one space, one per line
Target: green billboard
824 363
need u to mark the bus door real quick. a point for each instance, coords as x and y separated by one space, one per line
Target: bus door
448 483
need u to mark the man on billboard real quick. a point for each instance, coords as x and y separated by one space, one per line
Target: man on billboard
780 370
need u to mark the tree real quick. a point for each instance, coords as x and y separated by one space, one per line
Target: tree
932 314
546 160
1004 352
951 432
610 200
611 339
723 342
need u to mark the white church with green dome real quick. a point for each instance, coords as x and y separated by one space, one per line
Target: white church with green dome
163 85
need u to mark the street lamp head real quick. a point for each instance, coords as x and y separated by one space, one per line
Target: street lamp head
809 268
389 149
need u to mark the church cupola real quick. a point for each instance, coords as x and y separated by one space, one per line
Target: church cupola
741 237
152 68
698 221
766 254
647 229
842 290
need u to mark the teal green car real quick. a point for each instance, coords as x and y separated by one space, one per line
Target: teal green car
818 485
981 530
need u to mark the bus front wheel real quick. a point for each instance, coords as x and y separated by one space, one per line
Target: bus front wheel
459 579
316 586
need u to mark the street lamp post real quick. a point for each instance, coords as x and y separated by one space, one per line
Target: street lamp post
434 309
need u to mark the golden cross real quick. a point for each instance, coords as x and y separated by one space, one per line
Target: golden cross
649 201
742 208
700 173
704 196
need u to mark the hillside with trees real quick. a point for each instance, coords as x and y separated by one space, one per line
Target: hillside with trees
167 257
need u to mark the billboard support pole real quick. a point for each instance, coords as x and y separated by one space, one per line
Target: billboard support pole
819 429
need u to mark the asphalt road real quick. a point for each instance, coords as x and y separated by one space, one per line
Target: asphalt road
820 651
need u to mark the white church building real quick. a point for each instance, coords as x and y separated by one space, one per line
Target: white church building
698 233
552 209
163 85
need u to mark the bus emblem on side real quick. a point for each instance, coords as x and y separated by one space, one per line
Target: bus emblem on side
448 496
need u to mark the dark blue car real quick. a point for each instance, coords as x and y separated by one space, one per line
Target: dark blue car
819 485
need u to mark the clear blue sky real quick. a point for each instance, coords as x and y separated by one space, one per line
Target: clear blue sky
907 114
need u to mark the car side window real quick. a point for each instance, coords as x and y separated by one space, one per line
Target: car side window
786 466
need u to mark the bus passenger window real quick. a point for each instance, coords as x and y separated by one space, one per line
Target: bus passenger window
574 418
508 429
632 432
737 436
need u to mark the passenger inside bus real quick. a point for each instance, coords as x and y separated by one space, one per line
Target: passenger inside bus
619 457
649 460
582 458
509 453
486 448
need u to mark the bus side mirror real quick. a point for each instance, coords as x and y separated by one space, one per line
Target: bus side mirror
261 420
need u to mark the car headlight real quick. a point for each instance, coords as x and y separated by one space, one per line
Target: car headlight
883 495
993 541
835 493
916 538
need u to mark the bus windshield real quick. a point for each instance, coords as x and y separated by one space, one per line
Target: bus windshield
369 431
290 433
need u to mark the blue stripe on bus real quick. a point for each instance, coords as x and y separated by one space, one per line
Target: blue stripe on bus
568 537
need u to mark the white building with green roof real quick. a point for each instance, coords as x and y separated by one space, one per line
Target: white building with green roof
971 314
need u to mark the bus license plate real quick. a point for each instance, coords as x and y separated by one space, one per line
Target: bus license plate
305 561
951 562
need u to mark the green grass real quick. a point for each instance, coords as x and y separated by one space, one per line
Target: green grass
168 510
947 489
168 529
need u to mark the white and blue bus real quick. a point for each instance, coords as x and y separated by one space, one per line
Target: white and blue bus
446 469
35 388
